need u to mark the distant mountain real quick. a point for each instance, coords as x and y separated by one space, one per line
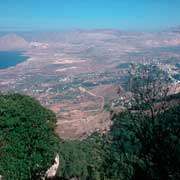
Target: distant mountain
98 38
12 42
175 29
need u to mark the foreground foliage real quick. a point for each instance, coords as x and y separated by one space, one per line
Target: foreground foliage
144 149
141 144
135 148
27 140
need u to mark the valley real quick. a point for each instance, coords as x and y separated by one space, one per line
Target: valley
77 74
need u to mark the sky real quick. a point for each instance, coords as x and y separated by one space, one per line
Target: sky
144 15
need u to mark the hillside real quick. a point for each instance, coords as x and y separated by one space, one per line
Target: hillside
136 147
27 141
12 42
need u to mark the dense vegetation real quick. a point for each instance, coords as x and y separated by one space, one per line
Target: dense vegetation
142 144
82 159
27 140
143 148
135 148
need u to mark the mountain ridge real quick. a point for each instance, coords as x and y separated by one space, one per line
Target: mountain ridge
13 42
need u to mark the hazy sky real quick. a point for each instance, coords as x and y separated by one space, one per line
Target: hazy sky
67 14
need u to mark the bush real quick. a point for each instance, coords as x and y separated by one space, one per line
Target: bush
27 140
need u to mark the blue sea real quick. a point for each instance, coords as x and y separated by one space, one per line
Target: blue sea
11 58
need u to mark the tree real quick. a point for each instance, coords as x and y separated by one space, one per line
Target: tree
147 134
82 159
27 140
148 85
123 147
